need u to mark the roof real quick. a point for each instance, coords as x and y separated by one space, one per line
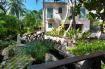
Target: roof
55 3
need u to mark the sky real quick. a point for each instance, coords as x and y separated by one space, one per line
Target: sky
31 5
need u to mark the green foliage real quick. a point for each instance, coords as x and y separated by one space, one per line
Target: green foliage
32 20
103 66
38 49
2 6
85 35
70 33
77 9
85 47
8 25
57 32
16 7
96 5
104 27
11 53
91 16
4 44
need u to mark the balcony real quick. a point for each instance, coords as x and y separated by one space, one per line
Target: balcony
55 3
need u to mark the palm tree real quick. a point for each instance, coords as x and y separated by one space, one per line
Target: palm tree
16 7
32 21
3 4
43 10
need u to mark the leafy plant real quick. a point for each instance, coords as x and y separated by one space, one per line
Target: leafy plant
32 20
57 31
8 26
11 53
85 35
84 47
4 44
38 49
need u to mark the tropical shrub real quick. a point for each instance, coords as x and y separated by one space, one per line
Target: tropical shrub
86 47
58 32
38 49
11 53
8 26
70 33
85 35
4 44
32 21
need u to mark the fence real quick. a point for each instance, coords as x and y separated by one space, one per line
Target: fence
92 61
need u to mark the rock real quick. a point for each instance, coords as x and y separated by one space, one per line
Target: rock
5 53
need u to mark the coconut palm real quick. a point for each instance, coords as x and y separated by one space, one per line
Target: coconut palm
43 10
3 4
32 21
16 7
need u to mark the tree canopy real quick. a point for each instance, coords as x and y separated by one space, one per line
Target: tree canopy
97 6
32 20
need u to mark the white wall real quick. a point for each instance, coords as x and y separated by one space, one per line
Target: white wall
57 17
86 26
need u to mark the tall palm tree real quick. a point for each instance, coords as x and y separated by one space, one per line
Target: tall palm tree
16 7
3 4
32 21
43 10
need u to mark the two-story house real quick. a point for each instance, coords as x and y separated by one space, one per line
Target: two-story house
55 13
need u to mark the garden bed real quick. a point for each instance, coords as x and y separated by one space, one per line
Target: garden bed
86 47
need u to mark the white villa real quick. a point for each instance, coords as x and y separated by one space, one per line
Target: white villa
55 12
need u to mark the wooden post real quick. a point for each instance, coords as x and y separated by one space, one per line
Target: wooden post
87 64
103 59
96 64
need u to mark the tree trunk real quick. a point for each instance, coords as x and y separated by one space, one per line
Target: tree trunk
70 24
74 22
44 11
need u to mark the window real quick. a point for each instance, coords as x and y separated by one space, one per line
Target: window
79 26
49 12
82 12
50 25
60 10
